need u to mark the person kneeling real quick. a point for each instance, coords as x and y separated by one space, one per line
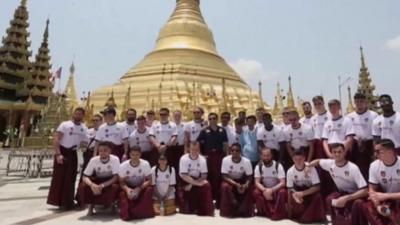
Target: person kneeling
136 196
163 180
270 194
236 187
99 184
305 203
194 195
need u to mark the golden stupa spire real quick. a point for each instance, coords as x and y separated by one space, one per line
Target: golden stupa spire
278 106
127 103
363 65
111 101
70 89
290 97
365 85
350 107
261 102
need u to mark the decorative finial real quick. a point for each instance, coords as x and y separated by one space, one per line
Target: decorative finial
23 2
46 31
362 57
72 68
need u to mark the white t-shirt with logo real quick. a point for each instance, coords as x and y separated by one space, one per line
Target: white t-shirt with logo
194 129
336 131
129 127
230 133
238 170
114 133
91 134
299 178
102 169
73 135
299 137
387 177
192 167
347 178
318 122
140 139
270 138
308 121
163 132
270 176
180 128
135 176
162 180
388 128
362 124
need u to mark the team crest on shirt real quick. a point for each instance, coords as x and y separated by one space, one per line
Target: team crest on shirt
107 135
339 125
198 164
106 130
99 168
109 167
384 180
193 131
169 126
300 133
140 171
265 136
190 165
274 172
127 172
137 138
241 168
326 118
391 122
291 135
118 129
383 174
273 135
346 173
138 143
366 119
231 167
81 129
70 133
167 176
295 177
398 172
352 119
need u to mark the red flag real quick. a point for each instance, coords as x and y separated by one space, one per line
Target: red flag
58 73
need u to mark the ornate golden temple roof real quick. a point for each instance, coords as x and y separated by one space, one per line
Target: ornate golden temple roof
184 54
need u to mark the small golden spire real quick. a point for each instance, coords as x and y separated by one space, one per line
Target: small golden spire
290 97
23 2
363 65
350 107
278 106
111 101
261 104
70 89
127 103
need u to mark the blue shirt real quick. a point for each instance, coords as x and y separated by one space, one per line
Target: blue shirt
248 141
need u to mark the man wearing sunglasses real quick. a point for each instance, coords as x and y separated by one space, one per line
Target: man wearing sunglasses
193 128
214 143
163 134
387 125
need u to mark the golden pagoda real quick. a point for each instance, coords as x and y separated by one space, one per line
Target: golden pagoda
185 52
290 97
350 106
365 85
278 106
70 90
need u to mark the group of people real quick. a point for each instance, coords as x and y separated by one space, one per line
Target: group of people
298 168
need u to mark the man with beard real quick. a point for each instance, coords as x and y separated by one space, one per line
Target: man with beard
387 125
195 194
193 128
136 197
307 110
236 187
99 184
140 137
383 207
270 193
270 136
163 135
299 135
69 136
305 203
113 132
363 147
230 130
214 142
130 122
345 203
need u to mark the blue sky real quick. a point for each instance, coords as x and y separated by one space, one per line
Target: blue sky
314 41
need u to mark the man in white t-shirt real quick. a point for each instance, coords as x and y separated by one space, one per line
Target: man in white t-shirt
140 137
270 193
69 137
195 194
260 117
176 151
91 134
363 147
383 206
113 132
230 130
270 136
308 114
305 202
318 121
163 134
164 181
136 197
236 187
99 184
150 118
130 121
299 135
387 125
193 128
344 204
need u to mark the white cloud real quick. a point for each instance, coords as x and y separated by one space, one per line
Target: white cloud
393 44
253 71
